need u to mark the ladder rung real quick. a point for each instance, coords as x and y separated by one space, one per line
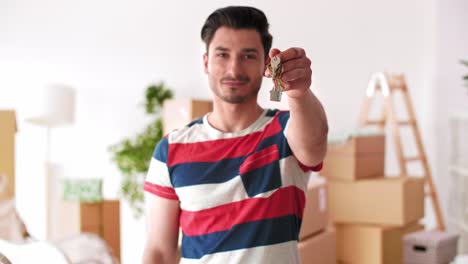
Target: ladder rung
429 193
375 122
391 86
415 158
406 123
397 86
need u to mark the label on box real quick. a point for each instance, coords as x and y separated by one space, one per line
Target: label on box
322 199
83 190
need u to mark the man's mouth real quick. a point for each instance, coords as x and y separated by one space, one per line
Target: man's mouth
234 83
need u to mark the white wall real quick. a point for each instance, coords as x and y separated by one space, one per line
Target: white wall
111 50
450 95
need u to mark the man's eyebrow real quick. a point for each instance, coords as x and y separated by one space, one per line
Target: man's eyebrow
221 48
250 50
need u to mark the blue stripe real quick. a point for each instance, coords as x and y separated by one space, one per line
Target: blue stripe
262 179
160 152
187 174
247 235
196 121
283 118
271 112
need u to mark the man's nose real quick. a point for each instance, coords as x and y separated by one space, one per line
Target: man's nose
235 67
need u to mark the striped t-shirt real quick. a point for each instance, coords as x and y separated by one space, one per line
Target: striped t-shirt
241 194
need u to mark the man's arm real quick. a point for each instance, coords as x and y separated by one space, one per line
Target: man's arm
308 128
162 216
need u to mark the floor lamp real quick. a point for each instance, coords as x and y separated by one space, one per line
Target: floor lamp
57 110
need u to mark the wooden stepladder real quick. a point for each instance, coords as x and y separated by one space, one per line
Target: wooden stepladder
388 84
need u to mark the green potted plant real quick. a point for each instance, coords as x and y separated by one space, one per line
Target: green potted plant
132 155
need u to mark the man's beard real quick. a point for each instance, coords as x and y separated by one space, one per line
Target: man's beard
231 97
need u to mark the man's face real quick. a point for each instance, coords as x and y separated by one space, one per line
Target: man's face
235 64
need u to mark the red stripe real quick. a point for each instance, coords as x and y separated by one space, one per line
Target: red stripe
215 150
260 159
285 201
165 192
306 168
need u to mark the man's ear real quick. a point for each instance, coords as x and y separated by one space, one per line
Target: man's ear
205 61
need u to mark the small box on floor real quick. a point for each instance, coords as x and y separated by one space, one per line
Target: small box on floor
371 244
385 201
320 248
429 247
315 212
359 157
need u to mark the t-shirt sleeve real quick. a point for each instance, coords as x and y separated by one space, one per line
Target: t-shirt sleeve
158 181
283 118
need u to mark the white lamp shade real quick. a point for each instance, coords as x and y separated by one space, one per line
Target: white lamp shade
57 107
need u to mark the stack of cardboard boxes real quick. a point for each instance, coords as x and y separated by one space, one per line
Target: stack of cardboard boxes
317 241
371 212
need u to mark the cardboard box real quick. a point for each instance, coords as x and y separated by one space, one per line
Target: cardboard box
90 214
359 157
111 225
315 212
430 247
103 219
371 244
180 112
8 130
320 248
385 201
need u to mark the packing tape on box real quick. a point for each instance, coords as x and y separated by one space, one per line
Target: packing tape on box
343 136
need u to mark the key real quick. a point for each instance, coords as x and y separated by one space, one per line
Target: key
275 64
275 94
276 69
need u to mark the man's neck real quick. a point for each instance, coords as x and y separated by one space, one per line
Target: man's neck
231 118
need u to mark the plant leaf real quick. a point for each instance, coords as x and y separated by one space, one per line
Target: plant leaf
132 155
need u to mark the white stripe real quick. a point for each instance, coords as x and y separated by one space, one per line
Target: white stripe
204 132
286 128
195 133
158 173
292 174
272 254
200 197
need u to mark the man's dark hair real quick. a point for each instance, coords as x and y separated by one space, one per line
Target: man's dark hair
238 17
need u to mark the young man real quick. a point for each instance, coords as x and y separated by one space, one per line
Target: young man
235 180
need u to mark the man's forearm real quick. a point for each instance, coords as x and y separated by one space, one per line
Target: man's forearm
308 128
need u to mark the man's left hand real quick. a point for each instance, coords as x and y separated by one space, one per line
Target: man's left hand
297 73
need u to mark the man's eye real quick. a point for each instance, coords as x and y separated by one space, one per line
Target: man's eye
249 56
221 55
